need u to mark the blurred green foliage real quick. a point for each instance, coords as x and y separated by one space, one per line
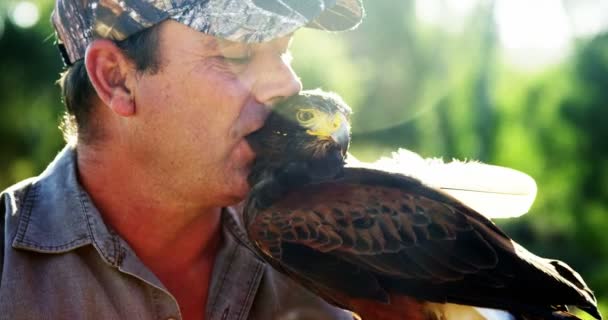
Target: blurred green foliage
411 85
30 101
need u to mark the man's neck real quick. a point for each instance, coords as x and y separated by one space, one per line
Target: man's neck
168 233
177 238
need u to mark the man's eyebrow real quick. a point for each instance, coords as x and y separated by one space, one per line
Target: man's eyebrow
222 44
209 44
216 44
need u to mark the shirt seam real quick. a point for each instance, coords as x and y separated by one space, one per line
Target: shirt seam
234 228
30 194
253 286
110 259
225 275
68 246
156 302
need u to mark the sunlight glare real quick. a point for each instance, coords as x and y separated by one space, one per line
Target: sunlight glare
25 14
462 8
448 15
428 11
533 34
589 18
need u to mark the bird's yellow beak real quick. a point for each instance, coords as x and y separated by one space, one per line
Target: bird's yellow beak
331 127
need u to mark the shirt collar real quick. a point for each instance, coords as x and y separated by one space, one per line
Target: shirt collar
57 215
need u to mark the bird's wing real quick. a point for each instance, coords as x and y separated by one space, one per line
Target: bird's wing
370 234
395 230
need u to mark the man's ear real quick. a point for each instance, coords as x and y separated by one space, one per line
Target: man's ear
111 74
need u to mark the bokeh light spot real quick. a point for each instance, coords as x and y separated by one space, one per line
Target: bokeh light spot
25 14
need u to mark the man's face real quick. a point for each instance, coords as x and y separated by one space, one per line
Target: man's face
193 114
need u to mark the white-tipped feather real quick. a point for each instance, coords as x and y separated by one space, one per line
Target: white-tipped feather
450 311
494 191
495 314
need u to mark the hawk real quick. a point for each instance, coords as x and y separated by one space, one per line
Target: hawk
382 244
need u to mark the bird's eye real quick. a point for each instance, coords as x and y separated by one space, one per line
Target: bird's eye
304 115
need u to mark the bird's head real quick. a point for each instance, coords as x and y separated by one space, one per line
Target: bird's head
311 127
316 121
304 139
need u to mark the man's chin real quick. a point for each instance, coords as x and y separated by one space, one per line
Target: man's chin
239 188
244 151
235 200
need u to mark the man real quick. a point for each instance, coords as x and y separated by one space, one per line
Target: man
132 219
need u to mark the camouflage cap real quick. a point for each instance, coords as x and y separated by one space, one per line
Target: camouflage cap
78 22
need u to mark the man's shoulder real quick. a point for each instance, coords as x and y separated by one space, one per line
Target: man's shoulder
13 196
11 199
19 186
37 210
11 202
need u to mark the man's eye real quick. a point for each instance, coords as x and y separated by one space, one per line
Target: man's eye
237 60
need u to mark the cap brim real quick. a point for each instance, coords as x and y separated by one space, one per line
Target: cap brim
264 24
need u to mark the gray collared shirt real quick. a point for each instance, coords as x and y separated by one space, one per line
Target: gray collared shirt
59 260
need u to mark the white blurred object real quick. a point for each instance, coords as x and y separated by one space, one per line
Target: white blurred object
494 191
462 312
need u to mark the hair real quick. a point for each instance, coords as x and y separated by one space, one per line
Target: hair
79 96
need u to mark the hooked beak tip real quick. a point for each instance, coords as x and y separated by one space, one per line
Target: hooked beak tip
341 138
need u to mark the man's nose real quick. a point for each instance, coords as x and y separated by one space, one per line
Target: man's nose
275 80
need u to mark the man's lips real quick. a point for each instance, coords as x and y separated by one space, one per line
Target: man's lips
256 116
248 152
